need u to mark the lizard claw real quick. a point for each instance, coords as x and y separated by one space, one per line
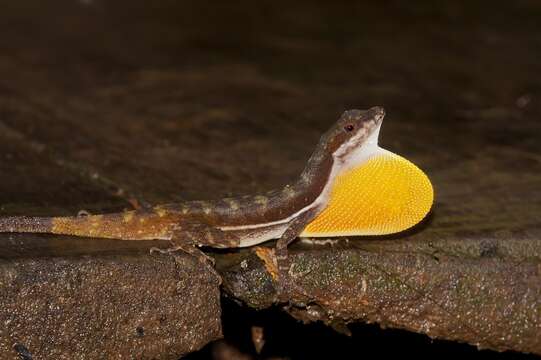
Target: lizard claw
155 249
162 251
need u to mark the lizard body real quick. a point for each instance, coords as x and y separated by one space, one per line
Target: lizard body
350 186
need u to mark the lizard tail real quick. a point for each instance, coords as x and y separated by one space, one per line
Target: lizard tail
26 224
130 225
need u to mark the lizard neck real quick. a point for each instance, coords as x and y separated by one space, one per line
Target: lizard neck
316 175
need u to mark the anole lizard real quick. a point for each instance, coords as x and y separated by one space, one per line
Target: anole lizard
350 186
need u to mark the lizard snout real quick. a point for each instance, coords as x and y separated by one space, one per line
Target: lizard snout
377 113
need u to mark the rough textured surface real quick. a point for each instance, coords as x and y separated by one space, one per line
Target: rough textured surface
103 101
131 307
483 300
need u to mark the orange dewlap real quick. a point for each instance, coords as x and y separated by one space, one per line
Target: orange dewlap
384 195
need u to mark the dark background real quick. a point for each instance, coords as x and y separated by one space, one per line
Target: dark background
172 100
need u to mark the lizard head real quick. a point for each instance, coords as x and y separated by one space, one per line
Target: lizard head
355 133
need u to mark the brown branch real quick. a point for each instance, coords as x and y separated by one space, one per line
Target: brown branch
484 296
95 307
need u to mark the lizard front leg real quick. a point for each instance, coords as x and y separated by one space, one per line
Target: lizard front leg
295 228
188 236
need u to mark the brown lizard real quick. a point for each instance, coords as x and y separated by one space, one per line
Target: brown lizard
350 186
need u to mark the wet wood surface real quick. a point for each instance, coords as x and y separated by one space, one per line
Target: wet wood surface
102 103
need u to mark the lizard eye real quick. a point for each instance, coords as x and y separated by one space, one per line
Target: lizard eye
349 128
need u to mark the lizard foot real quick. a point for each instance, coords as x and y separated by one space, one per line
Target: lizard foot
269 260
206 260
278 271
288 290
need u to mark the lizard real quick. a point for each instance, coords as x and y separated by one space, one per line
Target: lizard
350 186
